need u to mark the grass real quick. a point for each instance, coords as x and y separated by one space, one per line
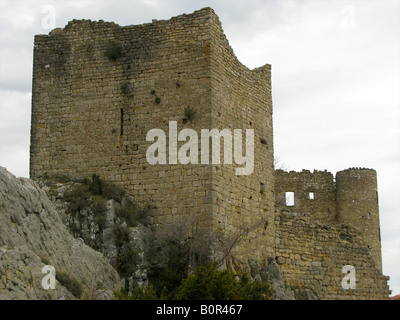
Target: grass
189 113
70 283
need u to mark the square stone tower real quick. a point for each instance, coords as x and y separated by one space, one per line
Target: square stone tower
99 88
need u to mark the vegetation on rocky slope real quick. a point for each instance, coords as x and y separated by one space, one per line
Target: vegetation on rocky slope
177 260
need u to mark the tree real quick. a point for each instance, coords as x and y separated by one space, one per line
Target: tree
174 250
209 283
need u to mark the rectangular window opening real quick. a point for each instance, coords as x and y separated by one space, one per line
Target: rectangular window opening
289 197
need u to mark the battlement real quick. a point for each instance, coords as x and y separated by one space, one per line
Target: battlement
99 88
77 24
351 198
313 194
356 169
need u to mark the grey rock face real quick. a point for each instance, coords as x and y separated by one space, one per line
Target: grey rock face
33 235
282 293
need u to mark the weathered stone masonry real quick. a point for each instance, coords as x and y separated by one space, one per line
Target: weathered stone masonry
351 198
311 255
338 226
91 112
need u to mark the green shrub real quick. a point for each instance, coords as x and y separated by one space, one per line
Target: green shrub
78 198
105 189
99 210
125 88
61 179
254 290
142 293
189 113
206 283
132 214
168 268
120 235
209 283
111 191
126 260
95 185
113 51
127 256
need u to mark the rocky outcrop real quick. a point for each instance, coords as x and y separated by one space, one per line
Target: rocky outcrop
33 235
281 291
107 221
267 270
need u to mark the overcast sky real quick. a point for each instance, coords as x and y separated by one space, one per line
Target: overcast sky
335 81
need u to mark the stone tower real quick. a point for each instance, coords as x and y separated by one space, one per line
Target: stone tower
357 206
99 88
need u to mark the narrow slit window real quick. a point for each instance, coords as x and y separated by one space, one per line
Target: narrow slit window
262 191
289 197
311 195
262 188
122 122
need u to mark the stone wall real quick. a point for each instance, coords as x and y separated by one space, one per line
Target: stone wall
311 256
351 199
320 207
241 99
91 114
338 225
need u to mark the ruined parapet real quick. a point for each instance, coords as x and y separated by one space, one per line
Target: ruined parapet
357 205
350 199
306 194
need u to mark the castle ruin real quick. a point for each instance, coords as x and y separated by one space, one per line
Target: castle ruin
98 88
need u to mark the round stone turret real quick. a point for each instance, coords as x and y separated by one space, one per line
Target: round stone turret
357 206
